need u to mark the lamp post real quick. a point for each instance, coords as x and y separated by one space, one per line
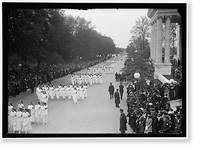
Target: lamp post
137 76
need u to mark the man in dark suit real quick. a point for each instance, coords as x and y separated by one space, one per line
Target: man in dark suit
159 122
111 90
178 123
167 125
123 122
154 122
121 90
117 99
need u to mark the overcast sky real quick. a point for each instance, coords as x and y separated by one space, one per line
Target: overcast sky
112 22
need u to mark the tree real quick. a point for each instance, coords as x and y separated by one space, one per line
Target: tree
38 33
138 53
42 35
140 32
87 42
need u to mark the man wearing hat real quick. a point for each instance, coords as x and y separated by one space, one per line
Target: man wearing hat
123 122
121 89
111 90
159 121
178 122
117 99
167 125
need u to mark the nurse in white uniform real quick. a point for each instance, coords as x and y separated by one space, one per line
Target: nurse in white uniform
74 95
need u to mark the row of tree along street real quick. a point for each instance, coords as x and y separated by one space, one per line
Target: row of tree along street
51 36
45 44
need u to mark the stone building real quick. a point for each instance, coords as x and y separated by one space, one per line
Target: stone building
158 18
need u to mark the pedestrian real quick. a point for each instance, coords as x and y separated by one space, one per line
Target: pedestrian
117 98
111 90
57 92
121 89
123 122
32 84
44 113
10 107
133 119
82 93
141 123
85 90
51 92
20 105
19 120
154 123
159 121
13 119
178 123
44 97
167 125
37 112
148 126
25 121
32 111
74 95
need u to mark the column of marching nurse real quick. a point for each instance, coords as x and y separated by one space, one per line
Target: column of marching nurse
20 119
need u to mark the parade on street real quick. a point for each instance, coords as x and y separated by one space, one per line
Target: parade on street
84 117
62 107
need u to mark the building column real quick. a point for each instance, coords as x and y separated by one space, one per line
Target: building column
179 55
167 40
152 42
159 41
155 35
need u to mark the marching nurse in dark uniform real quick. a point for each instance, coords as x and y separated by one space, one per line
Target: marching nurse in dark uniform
117 99
123 122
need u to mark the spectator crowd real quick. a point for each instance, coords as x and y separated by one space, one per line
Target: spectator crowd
150 112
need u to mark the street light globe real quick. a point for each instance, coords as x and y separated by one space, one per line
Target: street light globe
20 65
171 80
136 75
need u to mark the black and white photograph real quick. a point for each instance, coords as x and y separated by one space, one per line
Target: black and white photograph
94 70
